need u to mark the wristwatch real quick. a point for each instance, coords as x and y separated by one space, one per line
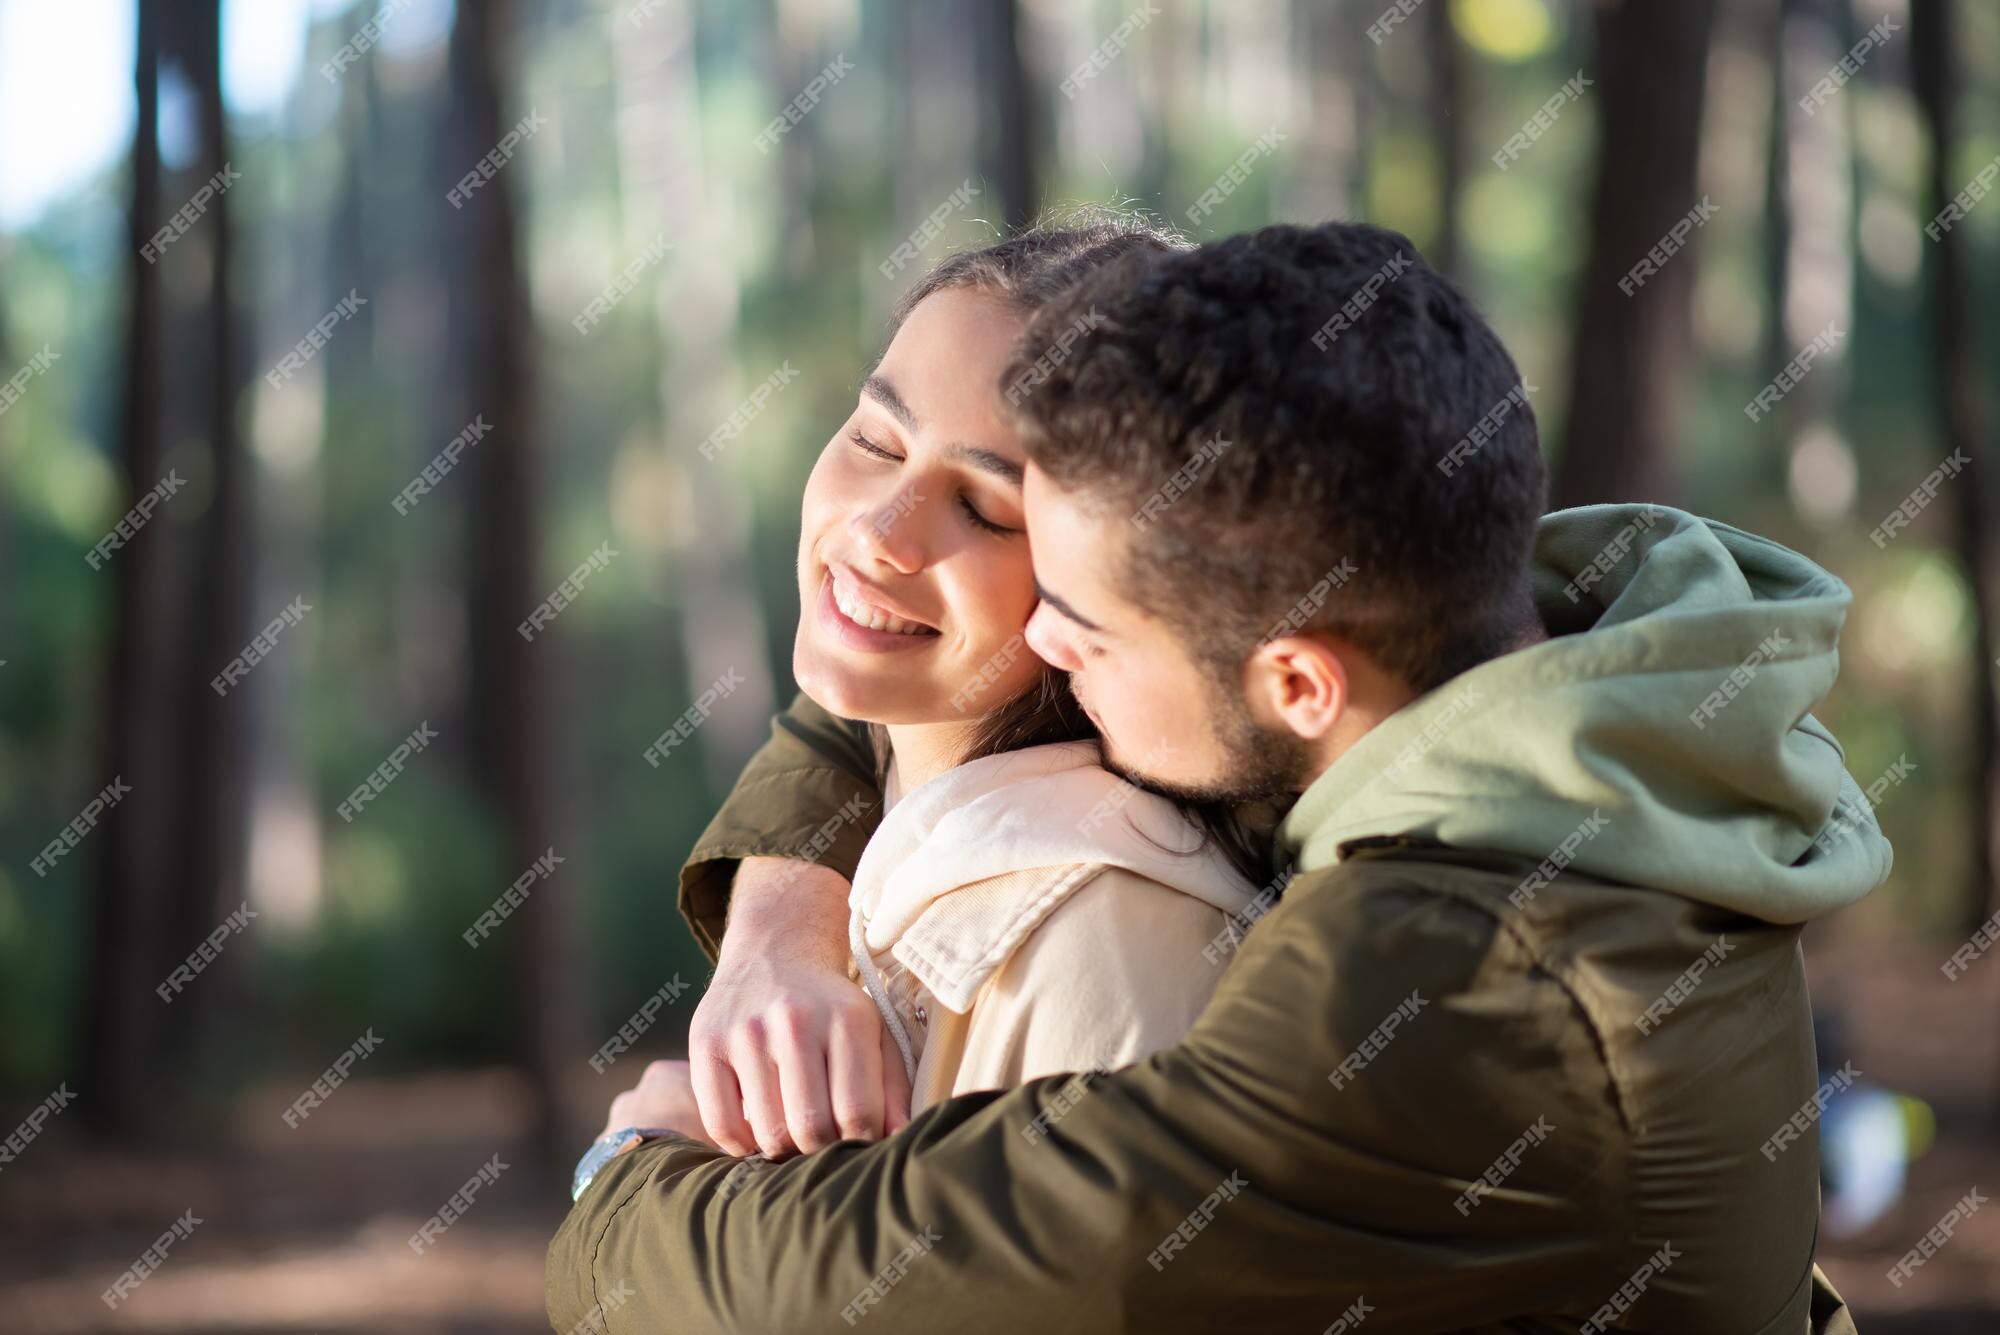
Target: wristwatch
607 1147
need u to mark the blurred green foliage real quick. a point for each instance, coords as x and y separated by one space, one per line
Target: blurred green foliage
775 261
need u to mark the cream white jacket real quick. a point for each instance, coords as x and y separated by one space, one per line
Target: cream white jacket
1030 913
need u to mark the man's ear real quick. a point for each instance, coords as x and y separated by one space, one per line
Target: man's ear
1297 682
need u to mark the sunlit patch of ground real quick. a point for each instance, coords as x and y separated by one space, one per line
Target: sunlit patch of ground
302 1229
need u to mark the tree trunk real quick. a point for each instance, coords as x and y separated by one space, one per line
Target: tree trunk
210 804
1816 286
1008 141
1330 176
1629 360
491 332
1962 416
1446 108
121 1013
669 187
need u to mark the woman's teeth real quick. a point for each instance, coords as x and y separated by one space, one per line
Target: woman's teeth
874 618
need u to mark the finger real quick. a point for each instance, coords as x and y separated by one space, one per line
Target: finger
669 1086
763 1102
618 1116
800 1055
854 1077
895 1086
720 1100
717 1097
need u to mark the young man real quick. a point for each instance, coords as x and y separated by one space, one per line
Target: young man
1525 1044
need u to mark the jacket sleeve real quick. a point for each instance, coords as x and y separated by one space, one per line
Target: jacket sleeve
789 801
1227 1183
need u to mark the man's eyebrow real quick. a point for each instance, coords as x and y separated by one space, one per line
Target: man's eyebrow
1068 611
997 464
884 393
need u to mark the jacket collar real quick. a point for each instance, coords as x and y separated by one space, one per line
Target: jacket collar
966 866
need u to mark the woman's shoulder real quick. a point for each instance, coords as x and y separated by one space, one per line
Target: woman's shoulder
1116 910
1105 911
1051 917
956 890
1120 968
1063 799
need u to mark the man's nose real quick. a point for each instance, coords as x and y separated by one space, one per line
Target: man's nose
1045 637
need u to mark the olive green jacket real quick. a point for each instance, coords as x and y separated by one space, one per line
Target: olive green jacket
1531 1060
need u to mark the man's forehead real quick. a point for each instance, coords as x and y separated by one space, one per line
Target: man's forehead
1074 544
1072 516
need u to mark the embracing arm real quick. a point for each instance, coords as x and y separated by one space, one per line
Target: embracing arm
790 799
785 1053
1225 1183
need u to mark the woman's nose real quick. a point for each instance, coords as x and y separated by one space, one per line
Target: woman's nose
1045 637
889 531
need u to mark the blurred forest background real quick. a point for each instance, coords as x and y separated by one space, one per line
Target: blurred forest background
637 174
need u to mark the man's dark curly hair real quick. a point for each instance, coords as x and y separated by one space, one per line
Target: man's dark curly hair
1268 406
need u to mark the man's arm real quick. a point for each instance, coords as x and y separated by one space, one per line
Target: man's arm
1227 1183
811 787
786 1052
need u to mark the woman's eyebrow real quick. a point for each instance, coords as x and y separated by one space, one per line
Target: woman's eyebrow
884 393
997 464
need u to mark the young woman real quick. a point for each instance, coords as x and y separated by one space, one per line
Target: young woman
1021 910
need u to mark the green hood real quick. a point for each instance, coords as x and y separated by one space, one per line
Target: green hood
1660 738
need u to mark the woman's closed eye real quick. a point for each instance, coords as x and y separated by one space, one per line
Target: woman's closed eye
981 521
965 504
870 447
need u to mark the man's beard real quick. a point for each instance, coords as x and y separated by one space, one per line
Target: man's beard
1259 763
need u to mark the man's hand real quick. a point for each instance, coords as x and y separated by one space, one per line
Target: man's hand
664 1097
787 1052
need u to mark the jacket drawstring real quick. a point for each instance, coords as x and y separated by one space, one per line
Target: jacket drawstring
871 979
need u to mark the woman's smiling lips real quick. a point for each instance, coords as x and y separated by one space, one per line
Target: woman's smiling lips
853 635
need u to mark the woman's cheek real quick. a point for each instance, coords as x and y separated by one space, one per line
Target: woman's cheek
1004 629
822 498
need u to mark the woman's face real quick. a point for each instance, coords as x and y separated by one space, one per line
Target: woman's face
914 578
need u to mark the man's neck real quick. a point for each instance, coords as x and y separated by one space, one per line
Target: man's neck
1377 696
1356 721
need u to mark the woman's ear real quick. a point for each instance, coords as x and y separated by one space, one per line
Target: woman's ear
1297 682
